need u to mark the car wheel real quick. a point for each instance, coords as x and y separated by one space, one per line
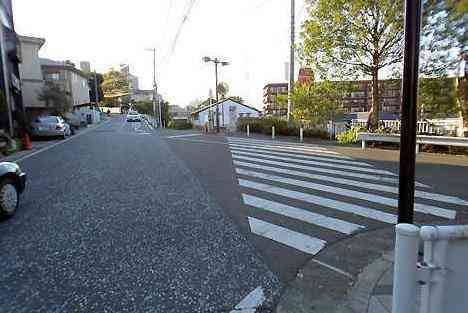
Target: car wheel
9 198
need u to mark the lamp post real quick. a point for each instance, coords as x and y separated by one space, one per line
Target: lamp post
216 61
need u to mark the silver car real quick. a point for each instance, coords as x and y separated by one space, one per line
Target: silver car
50 126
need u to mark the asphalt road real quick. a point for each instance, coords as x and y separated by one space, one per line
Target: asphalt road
294 201
115 221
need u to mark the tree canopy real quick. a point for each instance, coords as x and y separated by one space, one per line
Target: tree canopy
115 84
55 97
350 39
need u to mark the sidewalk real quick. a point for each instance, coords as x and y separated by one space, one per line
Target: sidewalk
354 275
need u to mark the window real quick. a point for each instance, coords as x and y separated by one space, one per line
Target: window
53 76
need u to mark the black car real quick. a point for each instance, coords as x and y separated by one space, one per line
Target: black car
12 184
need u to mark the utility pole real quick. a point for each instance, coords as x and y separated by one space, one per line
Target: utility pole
409 111
216 61
155 90
291 59
96 94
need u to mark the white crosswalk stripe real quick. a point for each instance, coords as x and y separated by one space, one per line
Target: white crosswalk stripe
322 189
325 164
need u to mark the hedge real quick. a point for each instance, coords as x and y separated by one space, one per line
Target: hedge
179 124
282 127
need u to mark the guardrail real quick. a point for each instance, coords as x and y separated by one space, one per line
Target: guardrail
420 139
442 274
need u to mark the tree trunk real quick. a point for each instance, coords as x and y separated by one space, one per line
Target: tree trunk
374 119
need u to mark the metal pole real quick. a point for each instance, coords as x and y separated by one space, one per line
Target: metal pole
291 59
405 275
96 94
6 80
409 111
217 96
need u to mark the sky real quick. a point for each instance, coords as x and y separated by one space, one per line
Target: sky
253 35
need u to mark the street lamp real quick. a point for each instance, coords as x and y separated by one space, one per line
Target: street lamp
216 61
155 89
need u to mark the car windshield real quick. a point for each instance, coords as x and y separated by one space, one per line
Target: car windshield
233 156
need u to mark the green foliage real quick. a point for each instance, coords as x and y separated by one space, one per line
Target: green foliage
115 83
223 89
56 98
144 107
437 98
349 136
180 124
282 127
350 39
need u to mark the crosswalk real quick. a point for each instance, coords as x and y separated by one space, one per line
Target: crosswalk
299 195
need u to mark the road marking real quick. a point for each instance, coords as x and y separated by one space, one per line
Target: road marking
325 202
360 184
276 143
291 149
183 136
301 242
333 268
418 207
302 215
318 153
59 143
345 167
306 157
251 302
320 169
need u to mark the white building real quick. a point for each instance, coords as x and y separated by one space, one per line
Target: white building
229 112
32 80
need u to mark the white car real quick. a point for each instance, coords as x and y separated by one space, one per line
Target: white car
133 117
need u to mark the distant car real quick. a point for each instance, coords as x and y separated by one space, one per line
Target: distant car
12 184
133 117
50 126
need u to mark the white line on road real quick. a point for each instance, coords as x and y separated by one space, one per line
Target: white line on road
59 143
301 242
305 157
183 136
251 302
271 142
318 153
345 167
419 194
319 169
418 207
325 202
333 268
287 148
302 215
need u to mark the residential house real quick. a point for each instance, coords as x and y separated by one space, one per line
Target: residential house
178 113
73 81
32 80
229 112
142 95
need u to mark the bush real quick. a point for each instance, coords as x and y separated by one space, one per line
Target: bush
282 127
179 124
349 136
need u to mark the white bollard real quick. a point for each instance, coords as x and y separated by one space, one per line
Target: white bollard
248 130
363 145
273 132
301 134
405 269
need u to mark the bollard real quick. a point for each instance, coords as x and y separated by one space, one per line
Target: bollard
405 268
301 134
248 130
273 132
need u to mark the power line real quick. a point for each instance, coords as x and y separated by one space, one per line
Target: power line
184 20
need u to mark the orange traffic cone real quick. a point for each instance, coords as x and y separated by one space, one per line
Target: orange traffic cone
27 144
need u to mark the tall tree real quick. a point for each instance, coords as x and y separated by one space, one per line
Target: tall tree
115 83
55 98
223 89
349 39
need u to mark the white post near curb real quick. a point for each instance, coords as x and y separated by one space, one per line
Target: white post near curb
272 132
248 130
405 270
301 134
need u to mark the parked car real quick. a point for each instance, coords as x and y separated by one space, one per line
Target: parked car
12 184
133 117
50 126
